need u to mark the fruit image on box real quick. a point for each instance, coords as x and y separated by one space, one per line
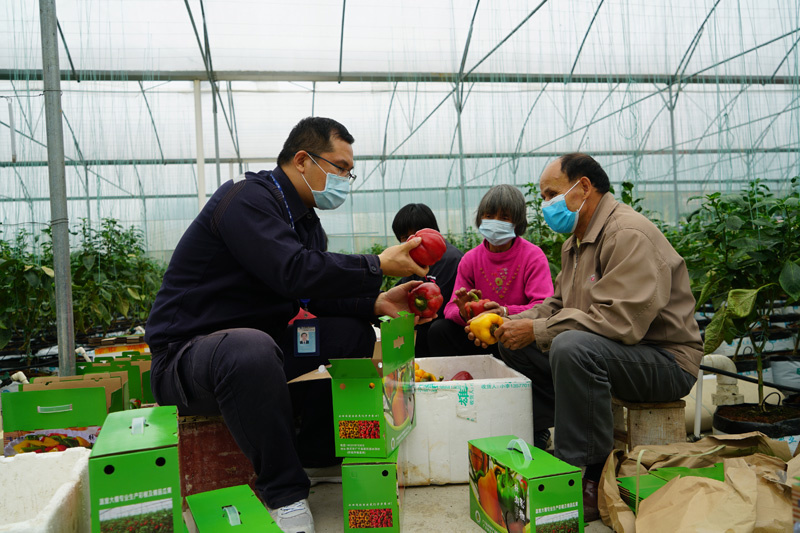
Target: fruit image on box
518 488
52 420
373 399
372 492
133 472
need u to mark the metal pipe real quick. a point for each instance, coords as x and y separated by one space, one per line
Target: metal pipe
674 153
462 168
59 223
201 157
216 140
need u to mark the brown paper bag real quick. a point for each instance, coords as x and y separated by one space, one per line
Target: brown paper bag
754 497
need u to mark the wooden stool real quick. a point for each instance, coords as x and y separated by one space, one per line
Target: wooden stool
638 424
209 458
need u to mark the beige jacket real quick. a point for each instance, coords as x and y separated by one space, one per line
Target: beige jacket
624 282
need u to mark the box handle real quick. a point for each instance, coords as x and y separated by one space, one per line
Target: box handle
523 447
233 515
54 408
137 425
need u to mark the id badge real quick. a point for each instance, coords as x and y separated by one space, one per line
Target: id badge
306 337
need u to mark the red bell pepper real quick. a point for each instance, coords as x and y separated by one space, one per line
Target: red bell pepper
462 376
430 250
476 306
425 299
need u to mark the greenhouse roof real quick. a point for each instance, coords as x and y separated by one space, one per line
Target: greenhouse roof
679 97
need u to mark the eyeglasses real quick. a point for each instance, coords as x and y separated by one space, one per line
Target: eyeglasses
342 172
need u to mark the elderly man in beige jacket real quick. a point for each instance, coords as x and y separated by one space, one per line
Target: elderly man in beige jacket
621 322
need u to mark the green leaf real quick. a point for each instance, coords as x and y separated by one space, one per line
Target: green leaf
49 271
742 301
790 280
704 293
31 278
123 306
734 222
714 331
88 261
747 244
5 336
134 294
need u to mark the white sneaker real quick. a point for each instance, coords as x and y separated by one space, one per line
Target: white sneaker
294 518
327 474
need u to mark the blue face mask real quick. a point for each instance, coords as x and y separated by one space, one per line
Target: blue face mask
497 232
557 214
335 192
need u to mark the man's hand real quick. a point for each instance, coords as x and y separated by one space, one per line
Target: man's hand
396 299
516 334
395 260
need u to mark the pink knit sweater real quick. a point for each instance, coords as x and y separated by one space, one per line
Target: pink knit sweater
518 278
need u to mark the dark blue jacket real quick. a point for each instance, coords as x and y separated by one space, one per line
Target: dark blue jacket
240 264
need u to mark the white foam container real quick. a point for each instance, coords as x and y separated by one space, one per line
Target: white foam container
450 413
45 492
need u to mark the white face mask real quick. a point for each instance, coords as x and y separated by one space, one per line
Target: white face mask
497 232
335 192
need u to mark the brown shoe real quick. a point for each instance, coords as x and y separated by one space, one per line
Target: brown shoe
590 511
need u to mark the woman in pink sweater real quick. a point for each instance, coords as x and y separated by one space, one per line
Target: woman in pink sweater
505 268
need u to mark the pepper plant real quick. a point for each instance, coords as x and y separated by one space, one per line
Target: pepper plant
113 284
749 243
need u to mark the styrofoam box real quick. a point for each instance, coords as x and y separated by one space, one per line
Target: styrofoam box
496 402
45 492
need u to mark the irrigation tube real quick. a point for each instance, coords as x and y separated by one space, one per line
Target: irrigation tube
748 379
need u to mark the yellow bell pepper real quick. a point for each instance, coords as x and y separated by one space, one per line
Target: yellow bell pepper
484 327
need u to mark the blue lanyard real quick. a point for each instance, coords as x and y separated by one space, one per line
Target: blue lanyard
278 185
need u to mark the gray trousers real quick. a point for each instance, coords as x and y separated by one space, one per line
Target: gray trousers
584 371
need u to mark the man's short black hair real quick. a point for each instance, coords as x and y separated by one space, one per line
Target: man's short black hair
576 165
313 134
504 199
412 218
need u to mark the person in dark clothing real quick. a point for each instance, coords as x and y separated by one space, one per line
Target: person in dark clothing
219 327
410 219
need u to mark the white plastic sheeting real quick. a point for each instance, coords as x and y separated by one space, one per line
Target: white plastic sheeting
615 78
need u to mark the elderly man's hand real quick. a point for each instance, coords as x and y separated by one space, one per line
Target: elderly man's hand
516 334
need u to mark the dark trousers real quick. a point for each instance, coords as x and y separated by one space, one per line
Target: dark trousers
242 375
445 337
573 384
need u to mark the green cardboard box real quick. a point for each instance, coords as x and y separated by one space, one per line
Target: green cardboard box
38 421
514 487
373 399
115 385
372 491
134 476
101 365
236 509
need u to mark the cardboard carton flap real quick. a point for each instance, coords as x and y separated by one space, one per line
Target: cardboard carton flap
109 381
45 409
138 429
319 373
354 368
397 340
504 451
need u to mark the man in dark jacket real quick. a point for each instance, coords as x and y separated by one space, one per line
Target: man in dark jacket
219 328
